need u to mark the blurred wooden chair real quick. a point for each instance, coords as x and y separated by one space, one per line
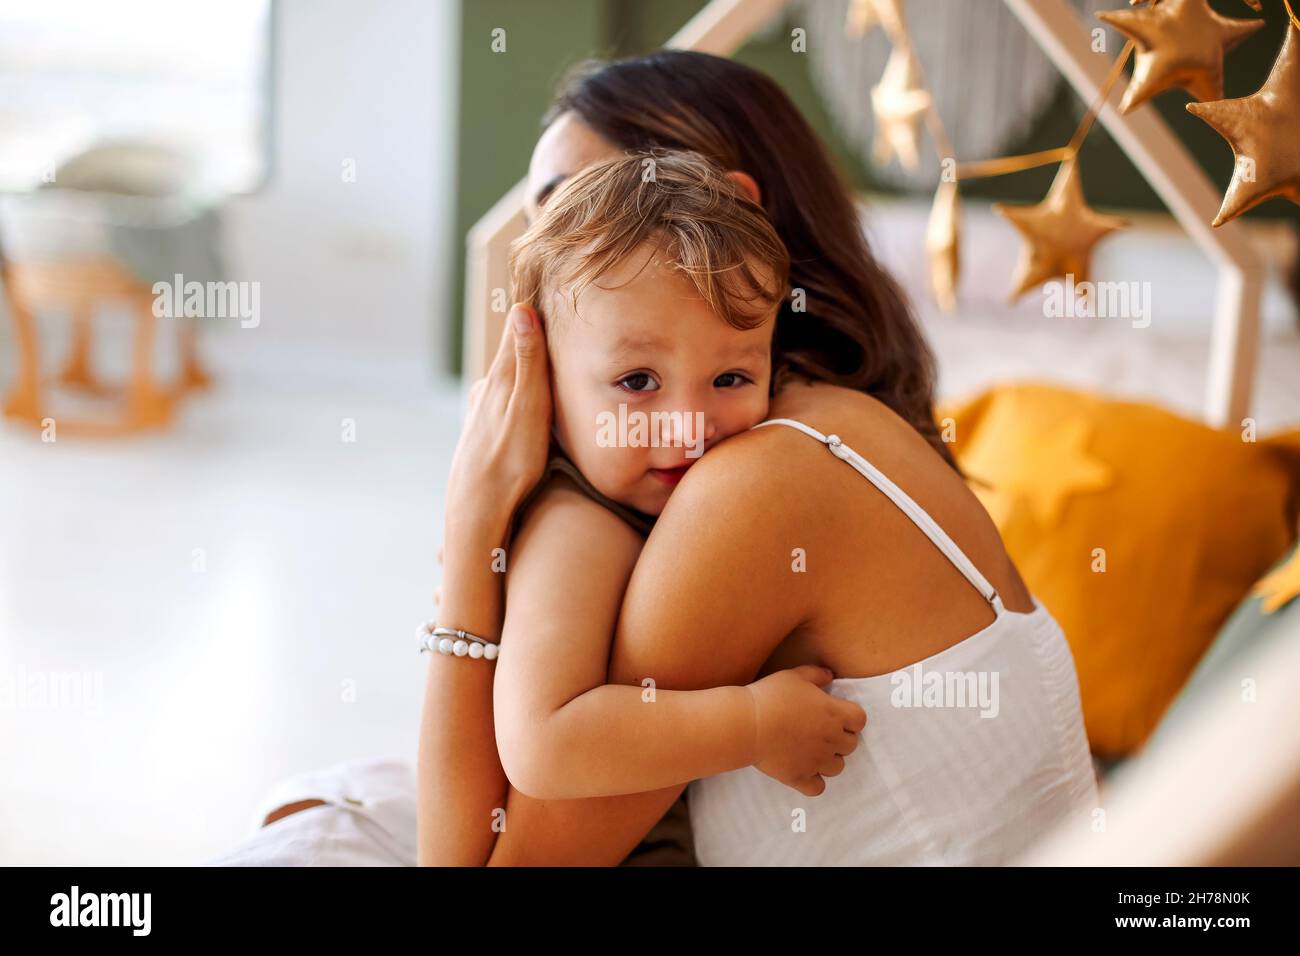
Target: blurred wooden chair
80 287
69 260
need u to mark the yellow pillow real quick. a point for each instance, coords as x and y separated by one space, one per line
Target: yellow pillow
1138 529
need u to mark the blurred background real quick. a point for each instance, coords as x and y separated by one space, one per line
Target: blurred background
217 533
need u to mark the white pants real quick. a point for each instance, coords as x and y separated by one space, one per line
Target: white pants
368 819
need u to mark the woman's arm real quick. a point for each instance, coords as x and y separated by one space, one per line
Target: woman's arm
461 787
460 782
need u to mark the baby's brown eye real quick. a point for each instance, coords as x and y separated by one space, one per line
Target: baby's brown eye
728 379
637 382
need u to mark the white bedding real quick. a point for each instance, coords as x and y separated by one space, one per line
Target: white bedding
1166 368
986 340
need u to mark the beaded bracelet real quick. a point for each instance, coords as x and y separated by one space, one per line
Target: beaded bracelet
452 641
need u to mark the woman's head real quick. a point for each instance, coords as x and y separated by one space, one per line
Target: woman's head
850 325
658 280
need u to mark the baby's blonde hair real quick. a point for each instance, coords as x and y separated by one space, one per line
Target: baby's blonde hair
679 202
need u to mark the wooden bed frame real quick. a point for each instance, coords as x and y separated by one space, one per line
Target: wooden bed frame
1245 816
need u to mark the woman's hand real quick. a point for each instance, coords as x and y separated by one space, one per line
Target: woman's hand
503 445
803 732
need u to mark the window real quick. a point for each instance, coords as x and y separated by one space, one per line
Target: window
79 73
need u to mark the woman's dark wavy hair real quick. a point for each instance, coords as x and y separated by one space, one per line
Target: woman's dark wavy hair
856 329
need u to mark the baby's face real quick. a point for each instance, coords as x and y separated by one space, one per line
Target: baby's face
643 339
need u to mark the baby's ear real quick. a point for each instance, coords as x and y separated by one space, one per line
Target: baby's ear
747 183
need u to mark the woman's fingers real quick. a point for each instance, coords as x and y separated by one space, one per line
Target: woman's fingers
505 347
532 381
502 370
504 439
519 372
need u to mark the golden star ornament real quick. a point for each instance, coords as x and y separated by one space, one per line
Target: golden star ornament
942 244
1060 232
865 15
1263 130
1180 43
900 103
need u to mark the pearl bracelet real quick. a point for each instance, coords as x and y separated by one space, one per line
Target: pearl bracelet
454 642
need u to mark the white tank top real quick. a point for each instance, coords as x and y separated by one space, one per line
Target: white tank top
968 757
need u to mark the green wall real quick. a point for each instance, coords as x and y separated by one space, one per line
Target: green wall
503 96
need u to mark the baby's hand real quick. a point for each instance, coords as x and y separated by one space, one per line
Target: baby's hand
803 732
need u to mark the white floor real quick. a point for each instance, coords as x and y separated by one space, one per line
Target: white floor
186 618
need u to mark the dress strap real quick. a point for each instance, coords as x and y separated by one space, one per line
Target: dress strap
920 517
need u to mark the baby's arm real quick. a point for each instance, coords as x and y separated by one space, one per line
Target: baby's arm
563 733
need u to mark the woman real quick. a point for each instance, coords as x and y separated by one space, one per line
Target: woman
772 551
819 568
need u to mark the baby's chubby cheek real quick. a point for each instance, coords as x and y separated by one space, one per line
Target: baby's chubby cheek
622 475
614 469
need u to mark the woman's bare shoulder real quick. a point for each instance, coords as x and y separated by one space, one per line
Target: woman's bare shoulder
738 481
774 477
889 442
730 490
833 408
749 473
747 457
